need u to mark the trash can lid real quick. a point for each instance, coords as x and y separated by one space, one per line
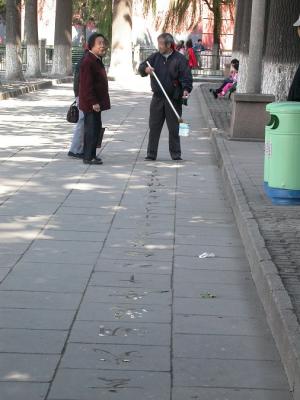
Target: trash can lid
287 107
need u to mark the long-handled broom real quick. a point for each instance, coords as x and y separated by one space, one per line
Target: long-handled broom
184 128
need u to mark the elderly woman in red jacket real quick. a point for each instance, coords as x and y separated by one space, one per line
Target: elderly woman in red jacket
93 95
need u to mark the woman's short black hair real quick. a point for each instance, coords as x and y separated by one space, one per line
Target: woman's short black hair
189 44
235 63
92 39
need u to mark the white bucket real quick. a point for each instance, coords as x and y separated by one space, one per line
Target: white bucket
184 129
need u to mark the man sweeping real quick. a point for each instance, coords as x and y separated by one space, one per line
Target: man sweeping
173 71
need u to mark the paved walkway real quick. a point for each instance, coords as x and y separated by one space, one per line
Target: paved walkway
103 293
280 226
220 108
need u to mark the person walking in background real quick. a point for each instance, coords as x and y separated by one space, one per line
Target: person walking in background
76 149
181 47
191 54
198 48
93 95
173 72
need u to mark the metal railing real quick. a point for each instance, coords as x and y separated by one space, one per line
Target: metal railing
208 63
77 52
48 58
212 64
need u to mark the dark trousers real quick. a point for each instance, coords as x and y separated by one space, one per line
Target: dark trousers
92 129
161 111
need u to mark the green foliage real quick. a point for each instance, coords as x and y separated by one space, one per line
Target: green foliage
98 11
2 6
181 11
149 5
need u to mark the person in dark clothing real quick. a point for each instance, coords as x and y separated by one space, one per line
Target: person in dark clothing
76 149
93 95
172 70
198 48
294 93
77 74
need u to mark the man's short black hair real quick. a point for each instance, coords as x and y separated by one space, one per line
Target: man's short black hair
92 39
168 38
199 40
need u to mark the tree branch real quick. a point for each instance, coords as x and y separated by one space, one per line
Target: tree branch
208 4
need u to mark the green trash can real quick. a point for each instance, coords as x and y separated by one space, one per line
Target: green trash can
282 153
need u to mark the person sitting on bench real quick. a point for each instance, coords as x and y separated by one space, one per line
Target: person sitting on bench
229 82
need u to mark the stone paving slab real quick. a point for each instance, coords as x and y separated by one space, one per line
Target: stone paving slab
221 325
217 276
213 263
91 385
117 357
136 296
129 266
35 318
39 300
228 394
243 290
247 374
124 312
19 391
39 277
27 367
138 280
219 251
31 341
132 332
206 239
218 307
65 235
232 347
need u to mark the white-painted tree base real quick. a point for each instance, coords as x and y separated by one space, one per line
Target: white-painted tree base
243 71
33 61
277 79
62 61
13 63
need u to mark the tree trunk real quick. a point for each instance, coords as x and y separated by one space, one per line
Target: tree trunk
256 47
217 12
282 51
121 56
32 39
238 26
241 40
13 40
62 58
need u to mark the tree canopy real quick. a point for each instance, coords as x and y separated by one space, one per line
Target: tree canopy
2 6
183 11
97 11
